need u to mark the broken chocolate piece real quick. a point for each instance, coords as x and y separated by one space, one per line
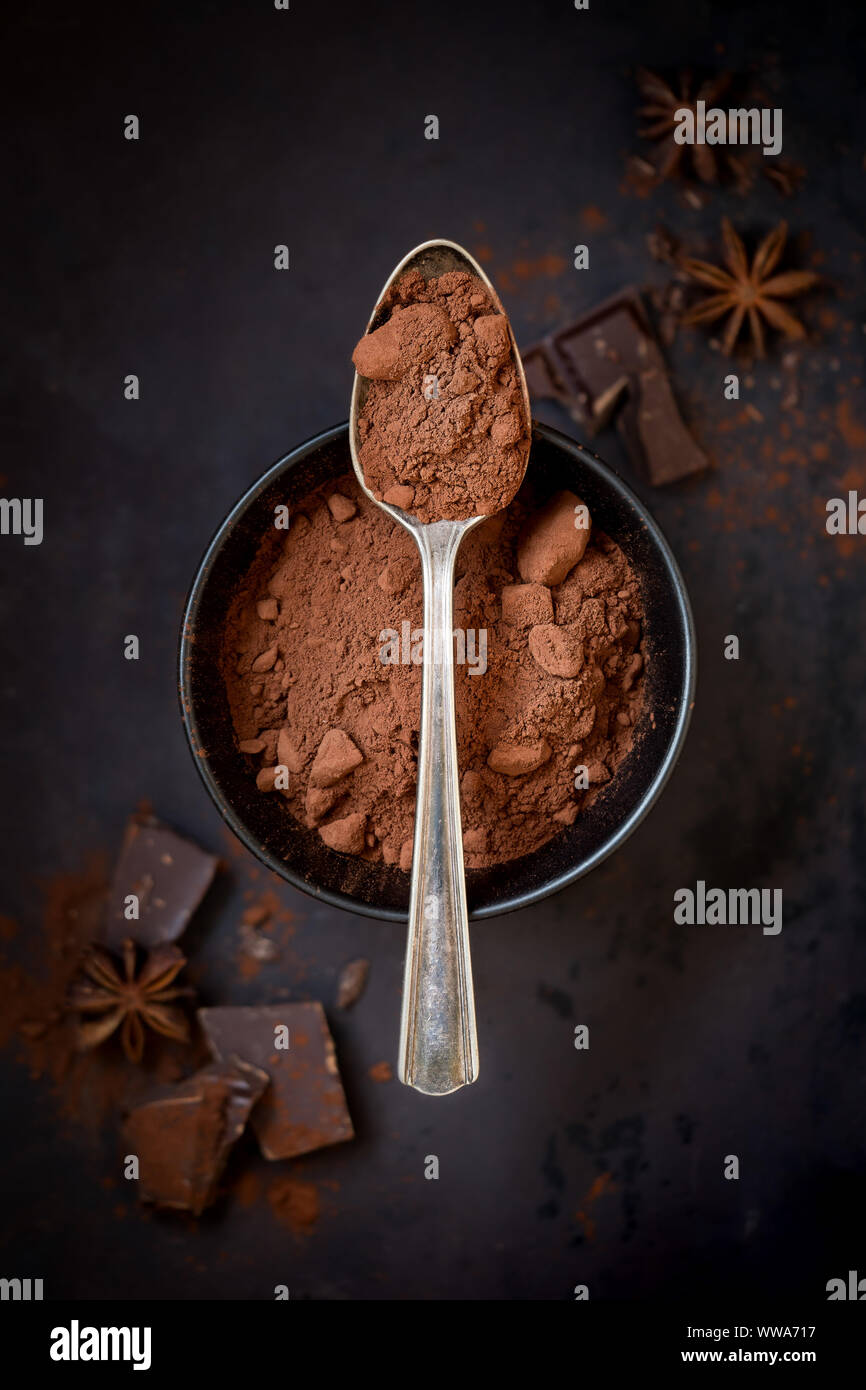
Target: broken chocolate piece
545 382
304 1108
166 873
608 362
353 978
182 1135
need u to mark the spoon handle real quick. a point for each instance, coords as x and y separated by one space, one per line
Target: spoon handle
438 1043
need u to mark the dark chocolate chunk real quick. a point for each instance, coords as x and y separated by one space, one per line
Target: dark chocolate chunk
544 381
607 364
353 978
168 874
182 1135
304 1107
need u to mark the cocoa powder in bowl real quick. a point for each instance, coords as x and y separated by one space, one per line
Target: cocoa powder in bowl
443 428
320 652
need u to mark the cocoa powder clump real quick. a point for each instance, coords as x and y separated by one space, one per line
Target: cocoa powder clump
443 429
562 688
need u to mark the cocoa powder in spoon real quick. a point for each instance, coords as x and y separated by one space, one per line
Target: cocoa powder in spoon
443 432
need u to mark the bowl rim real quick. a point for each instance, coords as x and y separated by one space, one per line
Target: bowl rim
612 843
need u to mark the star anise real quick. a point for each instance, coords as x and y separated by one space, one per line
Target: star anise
749 293
129 999
663 101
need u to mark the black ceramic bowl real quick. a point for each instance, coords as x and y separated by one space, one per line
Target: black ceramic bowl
297 854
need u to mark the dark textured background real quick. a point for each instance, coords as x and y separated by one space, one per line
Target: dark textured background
261 127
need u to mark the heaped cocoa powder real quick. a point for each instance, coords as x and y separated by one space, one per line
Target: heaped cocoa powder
320 654
444 432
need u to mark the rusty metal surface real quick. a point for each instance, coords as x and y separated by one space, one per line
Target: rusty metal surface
258 128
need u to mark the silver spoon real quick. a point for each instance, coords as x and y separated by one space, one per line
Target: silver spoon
438 1042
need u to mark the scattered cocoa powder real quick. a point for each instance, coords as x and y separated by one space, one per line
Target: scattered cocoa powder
294 1203
89 1086
248 1188
381 1071
562 615
443 429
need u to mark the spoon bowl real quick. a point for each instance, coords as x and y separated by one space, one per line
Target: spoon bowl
431 259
